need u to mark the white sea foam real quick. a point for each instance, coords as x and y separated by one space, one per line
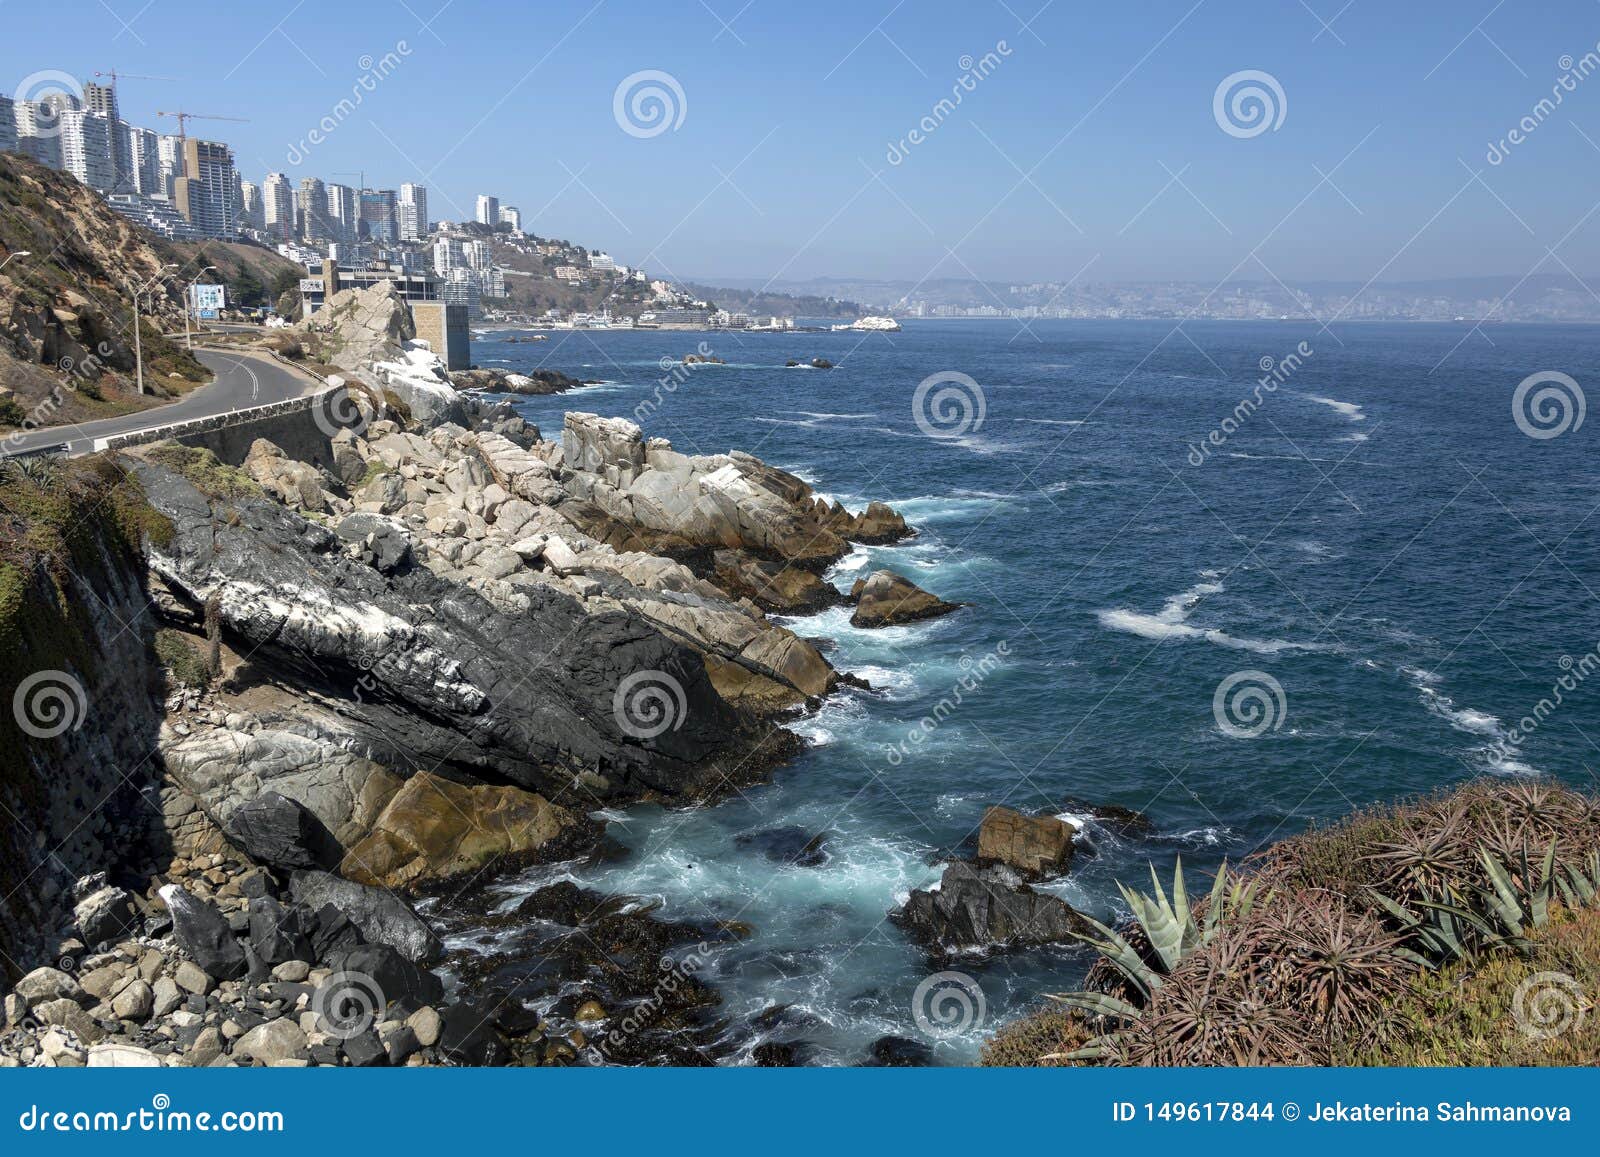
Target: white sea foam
1171 622
1497 754
1053 421
1350 410
850 563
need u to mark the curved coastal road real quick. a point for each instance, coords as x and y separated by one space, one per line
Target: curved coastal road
242 380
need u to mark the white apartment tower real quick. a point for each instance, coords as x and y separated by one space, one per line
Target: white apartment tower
102 99
277 206
488 210
250 200
344 211
87 150
170 150
412 212
144 155
448 255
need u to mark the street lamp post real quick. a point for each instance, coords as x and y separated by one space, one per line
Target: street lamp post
138 343
12 257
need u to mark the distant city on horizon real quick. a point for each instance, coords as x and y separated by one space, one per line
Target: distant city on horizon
185 188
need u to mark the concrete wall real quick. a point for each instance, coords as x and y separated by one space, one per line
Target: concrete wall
447 331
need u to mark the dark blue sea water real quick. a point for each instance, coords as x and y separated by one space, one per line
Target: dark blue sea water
1379 539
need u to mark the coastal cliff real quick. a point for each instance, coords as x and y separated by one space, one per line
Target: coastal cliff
306 698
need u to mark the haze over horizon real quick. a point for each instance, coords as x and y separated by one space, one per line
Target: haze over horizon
1090 150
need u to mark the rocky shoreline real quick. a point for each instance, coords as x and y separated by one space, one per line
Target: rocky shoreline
358 690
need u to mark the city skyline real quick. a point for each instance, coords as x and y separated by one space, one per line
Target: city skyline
1391 153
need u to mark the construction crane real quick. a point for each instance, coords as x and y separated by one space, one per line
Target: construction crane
183 117
115 76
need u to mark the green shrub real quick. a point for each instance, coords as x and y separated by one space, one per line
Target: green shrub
185 666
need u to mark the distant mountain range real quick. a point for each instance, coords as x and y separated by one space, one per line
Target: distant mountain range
1539 297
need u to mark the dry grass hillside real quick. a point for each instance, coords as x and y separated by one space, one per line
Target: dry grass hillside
66 321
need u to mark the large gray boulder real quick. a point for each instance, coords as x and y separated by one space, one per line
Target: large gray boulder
984 907
275 830
106 915
367 325
381 915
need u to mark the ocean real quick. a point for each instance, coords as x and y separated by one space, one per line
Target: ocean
1366 581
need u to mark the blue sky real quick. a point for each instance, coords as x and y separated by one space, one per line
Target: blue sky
1091 149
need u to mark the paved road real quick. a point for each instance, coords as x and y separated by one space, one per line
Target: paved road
242 380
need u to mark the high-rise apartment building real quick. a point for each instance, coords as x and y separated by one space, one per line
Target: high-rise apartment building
86 148
102 99
311 210
277 206
412 212
343 213
488 210
205 193
448 255
144 155
39 127
379 218
250 205
170 149
512 216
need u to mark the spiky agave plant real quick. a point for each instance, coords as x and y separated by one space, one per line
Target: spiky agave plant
1171 927
1477 917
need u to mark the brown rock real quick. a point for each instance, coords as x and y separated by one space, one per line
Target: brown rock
879 523
884 598
434 827
1036 846
772 586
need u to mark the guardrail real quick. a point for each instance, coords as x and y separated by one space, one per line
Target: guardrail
219 421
